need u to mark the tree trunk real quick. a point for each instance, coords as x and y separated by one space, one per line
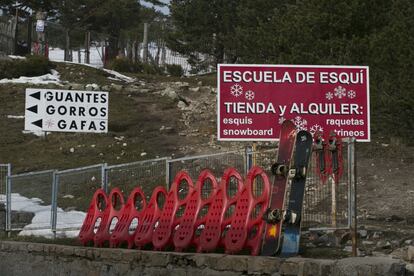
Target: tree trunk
87 46
68 55
113 46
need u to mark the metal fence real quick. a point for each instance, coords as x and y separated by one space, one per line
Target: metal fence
72 191
5 170
147 174
7 35
36 186
59 193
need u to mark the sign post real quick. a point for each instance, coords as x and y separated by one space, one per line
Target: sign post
66 110
254 100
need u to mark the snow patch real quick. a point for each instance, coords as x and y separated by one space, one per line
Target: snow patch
52 78
42 214
119 76
15 116
16 57
38 133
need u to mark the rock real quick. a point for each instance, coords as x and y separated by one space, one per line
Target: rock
77 86
409 270
363 233
116 87
92 87
181 105
169 92
345 238
143 153
72 150
106 88
371 217
376 235
394 218
195 89
408 242
132 89
368 242
383 245
410 253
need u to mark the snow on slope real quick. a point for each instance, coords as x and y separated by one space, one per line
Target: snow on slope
71 220
52 78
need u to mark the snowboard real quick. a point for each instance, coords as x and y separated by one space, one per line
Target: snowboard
292 216
273 214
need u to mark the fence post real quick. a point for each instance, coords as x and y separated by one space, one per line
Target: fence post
55 186
8 200
168 174
104 177
349 184
353 195
249 159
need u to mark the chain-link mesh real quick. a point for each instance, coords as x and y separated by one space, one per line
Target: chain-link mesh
326 203
145 174
30 194
7 35
216 163
75 189
321 207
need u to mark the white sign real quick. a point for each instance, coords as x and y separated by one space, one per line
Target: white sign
66 110
40 26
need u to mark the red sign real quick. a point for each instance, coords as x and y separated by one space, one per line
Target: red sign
254 100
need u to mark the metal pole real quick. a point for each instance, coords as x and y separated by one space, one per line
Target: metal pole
249 159
167 173
8 201
354 200
349 184
104 177
333 185
55 187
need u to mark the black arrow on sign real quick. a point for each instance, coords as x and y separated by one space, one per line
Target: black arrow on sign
33 109
38 123
36 95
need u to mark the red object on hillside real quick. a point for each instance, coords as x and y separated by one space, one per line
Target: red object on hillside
110 217
247 217
162 236
212 224
184 234
149 218
97 207
131 215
